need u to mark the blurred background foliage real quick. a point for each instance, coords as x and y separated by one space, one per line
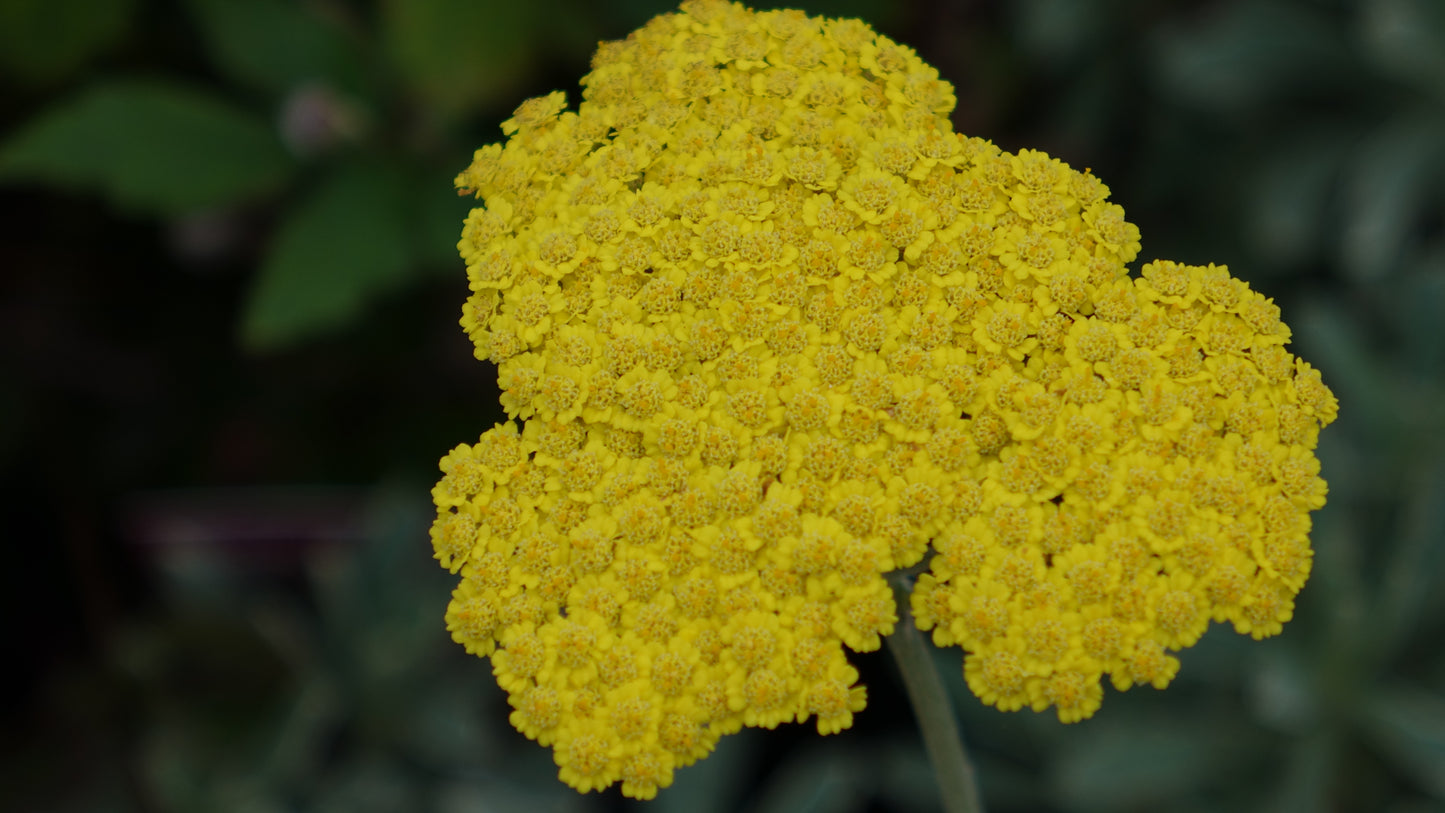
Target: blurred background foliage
229 359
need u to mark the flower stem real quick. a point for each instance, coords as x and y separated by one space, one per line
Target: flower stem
931 706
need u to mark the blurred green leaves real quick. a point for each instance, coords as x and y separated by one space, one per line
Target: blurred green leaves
343 244
1291 200
276 46
360 207
353 699
1408 724
459 54
1409 597
1140 763
1407 38
44 41
1393 176
1306 137
155 147
1242 55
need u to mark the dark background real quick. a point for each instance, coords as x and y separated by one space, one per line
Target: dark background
229 360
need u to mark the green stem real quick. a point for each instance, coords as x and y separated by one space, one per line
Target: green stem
931 706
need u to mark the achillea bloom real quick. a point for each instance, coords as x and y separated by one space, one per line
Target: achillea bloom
773 330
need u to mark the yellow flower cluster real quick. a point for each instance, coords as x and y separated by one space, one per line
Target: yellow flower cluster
773 330
1153 471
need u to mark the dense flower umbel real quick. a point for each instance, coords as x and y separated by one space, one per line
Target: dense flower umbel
774 330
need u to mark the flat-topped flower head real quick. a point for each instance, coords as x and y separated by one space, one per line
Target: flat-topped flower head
767 330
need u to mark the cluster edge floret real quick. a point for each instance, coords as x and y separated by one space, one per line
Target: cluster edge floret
767 330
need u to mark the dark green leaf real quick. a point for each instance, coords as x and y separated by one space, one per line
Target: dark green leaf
42 41
1338 595
1407 39
1408 725
903 776
1409 584
458 54
276 46
822 779
339 248
1284 688
150 146
1422 296
309 714
441 724
1388 189
1305 784
1057 32
437 214
1334 340
367 783
714 784
1291 196
1121 763
1238 56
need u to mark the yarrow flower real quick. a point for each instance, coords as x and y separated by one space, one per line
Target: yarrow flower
768 330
